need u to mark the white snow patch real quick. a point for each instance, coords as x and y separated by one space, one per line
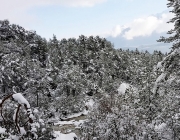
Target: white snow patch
41 121
89 104
14 137
49 78
122 88
25 84
14 116
85 112
63 122
2 130
43 129
161 77
31 116
160 127
33 129
159 65
76 123
35 111
74 115
2 68
36 124
23 131
20 99
61 136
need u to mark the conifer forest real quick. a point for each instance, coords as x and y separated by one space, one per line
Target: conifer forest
85 89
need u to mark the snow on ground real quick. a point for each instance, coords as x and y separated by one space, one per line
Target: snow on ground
61 136
72 125
73 122
76 115
76 123
122 88
63 122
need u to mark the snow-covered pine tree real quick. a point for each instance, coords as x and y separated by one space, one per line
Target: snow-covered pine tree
174 38
167 85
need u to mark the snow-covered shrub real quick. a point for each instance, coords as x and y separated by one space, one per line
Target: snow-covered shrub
18 120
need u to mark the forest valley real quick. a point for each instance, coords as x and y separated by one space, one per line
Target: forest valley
85 89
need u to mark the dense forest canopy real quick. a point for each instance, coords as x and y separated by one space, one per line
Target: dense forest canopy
135 93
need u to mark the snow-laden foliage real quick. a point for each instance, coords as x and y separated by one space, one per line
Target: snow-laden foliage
58 78
22 124
152 111
123 87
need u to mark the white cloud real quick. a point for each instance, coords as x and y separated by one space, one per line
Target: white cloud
146 26
142 27
117 30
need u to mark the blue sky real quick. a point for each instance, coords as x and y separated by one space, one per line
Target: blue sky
126 23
